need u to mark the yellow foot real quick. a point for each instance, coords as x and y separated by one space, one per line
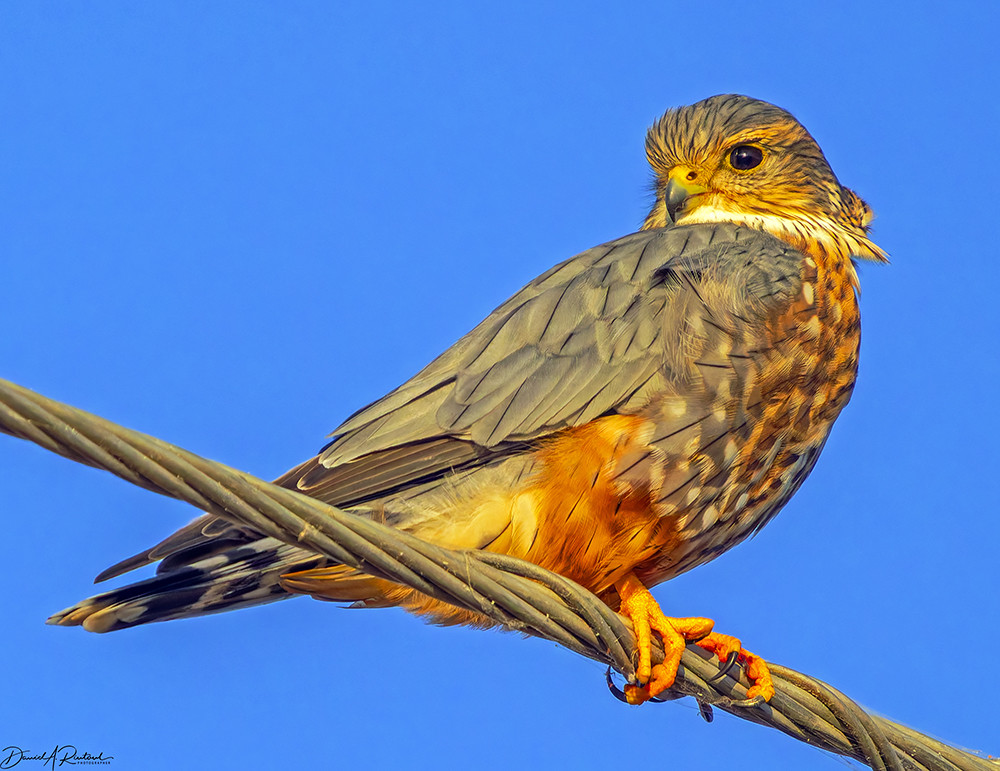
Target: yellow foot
638 605
723 646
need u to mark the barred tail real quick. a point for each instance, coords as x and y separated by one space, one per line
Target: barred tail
237 578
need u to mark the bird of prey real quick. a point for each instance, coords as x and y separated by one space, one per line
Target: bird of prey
630 414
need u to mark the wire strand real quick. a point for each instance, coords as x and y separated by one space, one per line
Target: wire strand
514 593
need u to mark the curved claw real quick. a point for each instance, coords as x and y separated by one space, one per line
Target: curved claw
753 665
726 668
617 692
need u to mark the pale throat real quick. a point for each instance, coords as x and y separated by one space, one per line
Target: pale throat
820 237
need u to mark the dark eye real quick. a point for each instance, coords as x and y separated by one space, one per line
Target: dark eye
746 157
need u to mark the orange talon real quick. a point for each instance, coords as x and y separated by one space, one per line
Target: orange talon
722 645
638 605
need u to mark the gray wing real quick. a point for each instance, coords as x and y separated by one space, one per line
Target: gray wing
593 335
586 338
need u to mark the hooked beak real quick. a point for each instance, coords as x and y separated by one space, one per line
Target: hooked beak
678 190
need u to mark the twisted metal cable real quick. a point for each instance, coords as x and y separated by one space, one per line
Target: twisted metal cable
517 594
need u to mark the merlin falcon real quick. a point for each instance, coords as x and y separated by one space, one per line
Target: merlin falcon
630 414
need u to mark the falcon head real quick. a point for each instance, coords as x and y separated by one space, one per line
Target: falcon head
734 159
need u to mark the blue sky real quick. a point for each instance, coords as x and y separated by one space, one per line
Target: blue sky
230 225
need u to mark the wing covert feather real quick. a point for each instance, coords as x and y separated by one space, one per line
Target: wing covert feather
575 343
603 331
